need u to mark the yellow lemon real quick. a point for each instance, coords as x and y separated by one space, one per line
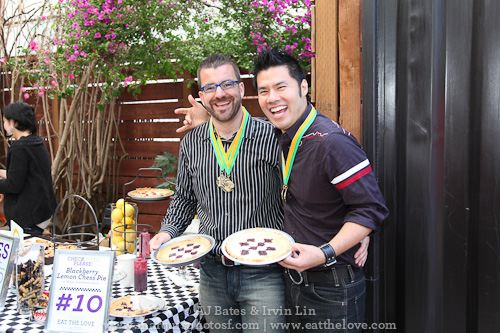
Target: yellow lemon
130 247
117 228
117 215
131 235
120 203
117 239
128 221
129 210
120 246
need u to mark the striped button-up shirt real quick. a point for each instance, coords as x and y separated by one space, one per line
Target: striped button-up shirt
255 200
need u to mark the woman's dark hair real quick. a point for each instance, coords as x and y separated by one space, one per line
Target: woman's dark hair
23 114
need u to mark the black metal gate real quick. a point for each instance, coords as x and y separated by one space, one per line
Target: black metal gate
431 107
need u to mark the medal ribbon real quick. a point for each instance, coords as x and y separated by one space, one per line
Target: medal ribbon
226 159
286 168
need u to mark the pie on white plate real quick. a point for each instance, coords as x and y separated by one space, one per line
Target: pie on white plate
150 193
135 305
184 249
257 246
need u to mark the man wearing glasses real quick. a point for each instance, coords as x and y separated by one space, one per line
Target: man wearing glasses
229 194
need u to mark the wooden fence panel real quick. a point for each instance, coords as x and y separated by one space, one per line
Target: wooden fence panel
337 66
153 91
326 62
350 66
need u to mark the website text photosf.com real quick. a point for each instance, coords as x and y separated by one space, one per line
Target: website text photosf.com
230 324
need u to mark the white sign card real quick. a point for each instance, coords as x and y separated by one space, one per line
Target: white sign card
8 255
80 291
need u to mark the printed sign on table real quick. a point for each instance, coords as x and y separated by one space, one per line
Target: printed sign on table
80 291
8 254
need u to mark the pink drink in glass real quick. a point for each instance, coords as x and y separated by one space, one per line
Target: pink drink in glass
140 274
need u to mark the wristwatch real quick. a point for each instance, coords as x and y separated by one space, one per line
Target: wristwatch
329 253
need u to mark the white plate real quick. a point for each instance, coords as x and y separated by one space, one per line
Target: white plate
260 263
153 303
189 261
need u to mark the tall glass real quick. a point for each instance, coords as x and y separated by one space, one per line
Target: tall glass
140 274
30 279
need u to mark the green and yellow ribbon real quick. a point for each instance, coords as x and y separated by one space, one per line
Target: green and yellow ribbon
226 159
286 167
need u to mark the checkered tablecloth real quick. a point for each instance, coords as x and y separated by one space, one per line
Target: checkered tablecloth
181 314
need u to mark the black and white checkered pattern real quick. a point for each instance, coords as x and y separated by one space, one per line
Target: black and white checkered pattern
181 315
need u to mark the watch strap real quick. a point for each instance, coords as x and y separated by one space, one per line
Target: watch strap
330 255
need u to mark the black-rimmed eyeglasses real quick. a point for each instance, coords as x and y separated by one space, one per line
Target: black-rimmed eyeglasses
224 85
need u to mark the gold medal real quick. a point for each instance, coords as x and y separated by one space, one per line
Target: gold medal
225 183
284 189
226 159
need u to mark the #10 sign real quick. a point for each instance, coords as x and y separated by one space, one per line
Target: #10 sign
8 251
80 291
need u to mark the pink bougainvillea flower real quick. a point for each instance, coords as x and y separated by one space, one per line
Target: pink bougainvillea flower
306 54
46 60
3 60
71 76
26 96
53 83
23 89
33 45
72 58
97 35
112 48
41 93
127 80
43 17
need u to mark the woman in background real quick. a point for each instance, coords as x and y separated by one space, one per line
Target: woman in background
27 182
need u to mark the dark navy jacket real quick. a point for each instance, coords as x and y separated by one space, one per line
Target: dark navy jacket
29 195
331 183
